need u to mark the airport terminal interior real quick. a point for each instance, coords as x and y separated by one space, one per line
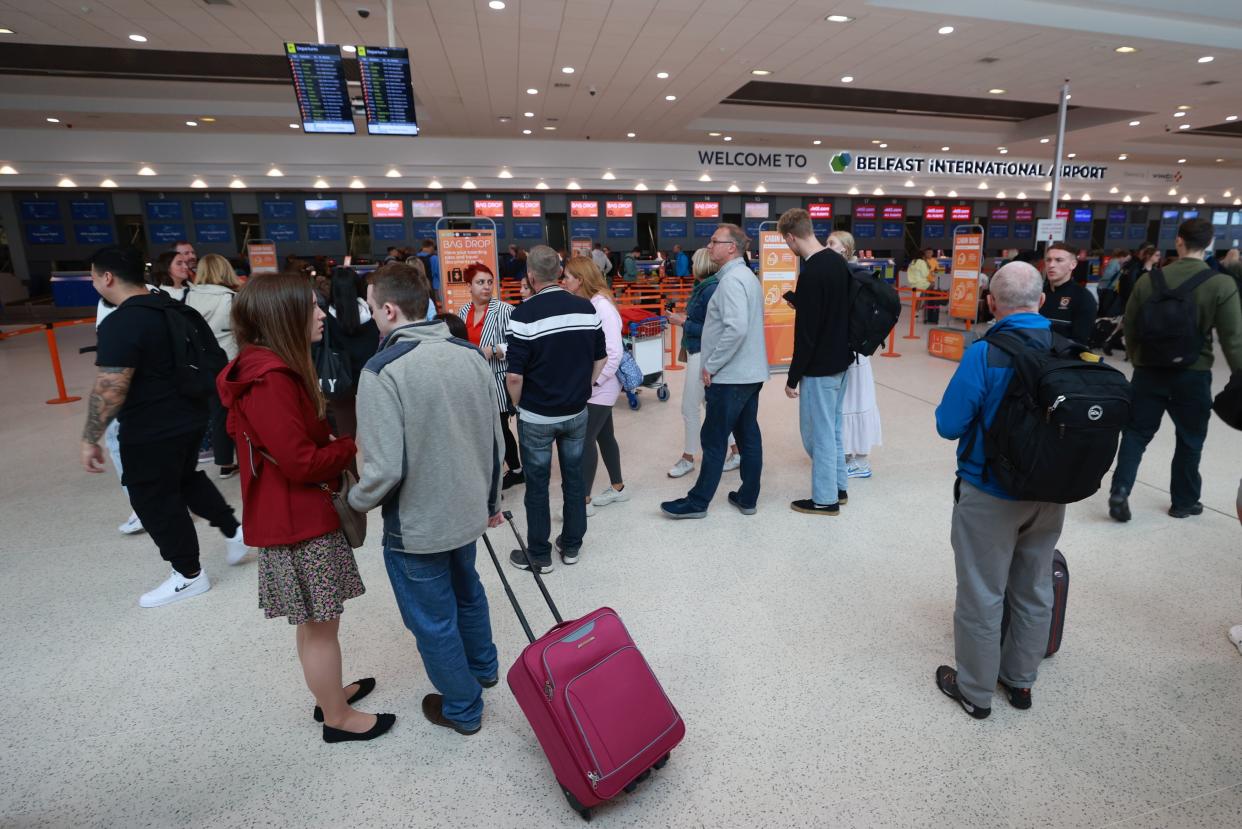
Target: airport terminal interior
800 651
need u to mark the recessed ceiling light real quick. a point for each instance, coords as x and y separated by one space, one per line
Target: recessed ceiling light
1206 59
573 185
883 146
811 179
53 120
1172 191
1181 161
761 72
320 184
705 177
1122 157
1135 123
435 184
1179 114
728 138
7 32
275 172
1071 155
875 141
608 176
909 183
853 191
497 5
1003 150
109 183
1145 199
8 170
1022 194
550 128
945 30
1184 127
930 194
1184 107
349 49
761 188
207 119
640 186
1000 194
817 142
671 187
66 182
146 171
528 114
504 119
138 38
944 149
879 191
1200 200
1219 160
504 173
1237 201
1086 197
996 90
670 97
1047 186
1126 50
532 91
294 126
635 135
733 188
542 185
662 75
567 70
1126 198
1184 200
847 79
838 18
354 184
238 184
953 194
525 132
468 185
191 123
983 185
1228 194
1231 117
393 172
1044 140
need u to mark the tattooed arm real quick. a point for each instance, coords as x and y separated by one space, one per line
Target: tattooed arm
107 397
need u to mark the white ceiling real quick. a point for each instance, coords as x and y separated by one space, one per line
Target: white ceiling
471 66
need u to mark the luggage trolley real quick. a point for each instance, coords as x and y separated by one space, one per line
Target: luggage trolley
644 339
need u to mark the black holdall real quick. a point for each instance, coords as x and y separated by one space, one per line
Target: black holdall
1056 431
336 379
875 308
1228 404
1168 322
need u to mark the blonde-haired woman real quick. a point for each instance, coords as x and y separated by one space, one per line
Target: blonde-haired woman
860 416
583 277
691 322
211 294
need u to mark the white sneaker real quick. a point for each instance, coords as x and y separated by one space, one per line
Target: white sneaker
680 468
1235 636
237 548
733 462
132 525
858 471
590 508
610 496
175 588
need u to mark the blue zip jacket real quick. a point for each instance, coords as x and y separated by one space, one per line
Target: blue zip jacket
696 313
974 394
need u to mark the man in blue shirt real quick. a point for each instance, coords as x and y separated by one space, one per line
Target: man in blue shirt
681 262
1002 547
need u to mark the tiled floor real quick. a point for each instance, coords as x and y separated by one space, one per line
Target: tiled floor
799 649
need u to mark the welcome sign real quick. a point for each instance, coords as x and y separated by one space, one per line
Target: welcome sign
847 162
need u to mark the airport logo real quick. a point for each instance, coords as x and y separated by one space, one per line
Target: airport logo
840 162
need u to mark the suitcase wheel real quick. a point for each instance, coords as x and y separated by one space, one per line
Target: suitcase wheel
583 811
633 784
661 763
662 393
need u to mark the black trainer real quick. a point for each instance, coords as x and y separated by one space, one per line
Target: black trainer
1019 698
518 560
843 497
809 506
1185 512
744 510
946 681
512 479
567 556
1119 505
433 710
488 683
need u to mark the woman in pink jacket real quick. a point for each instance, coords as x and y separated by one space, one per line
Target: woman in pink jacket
583 278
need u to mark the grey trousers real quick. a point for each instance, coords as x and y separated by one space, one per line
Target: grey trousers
1001 548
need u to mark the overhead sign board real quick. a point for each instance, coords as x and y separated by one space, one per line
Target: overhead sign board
1050 230
852 162
319 81
387 91
820 210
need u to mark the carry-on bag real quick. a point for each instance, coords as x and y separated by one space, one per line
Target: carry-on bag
1060 594
598 711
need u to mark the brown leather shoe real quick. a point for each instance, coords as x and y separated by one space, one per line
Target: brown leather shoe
433 710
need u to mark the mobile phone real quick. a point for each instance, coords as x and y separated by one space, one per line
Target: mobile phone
788 296
670 306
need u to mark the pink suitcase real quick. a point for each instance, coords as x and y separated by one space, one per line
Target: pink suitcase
599 712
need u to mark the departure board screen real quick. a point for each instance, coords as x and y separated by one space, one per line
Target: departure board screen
387 90
319 81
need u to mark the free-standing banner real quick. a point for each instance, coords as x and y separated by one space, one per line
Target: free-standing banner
262 256
458 250
778 271
579 246
967 263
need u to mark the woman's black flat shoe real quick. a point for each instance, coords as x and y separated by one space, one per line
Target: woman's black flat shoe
383 722
365 686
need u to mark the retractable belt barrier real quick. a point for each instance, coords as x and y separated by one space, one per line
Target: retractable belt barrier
49 329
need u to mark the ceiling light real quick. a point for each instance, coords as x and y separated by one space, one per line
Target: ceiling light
944 149
1179 114
1000 194
1067 97
983 185
705 177
348 48
529 114
207 119
714 134
435 184
7 32
953 194
1219 160
838 18
1145 200
146 171
53 120
909 182
567 70
393 173
1184 200
640 186
1184 127
504 173
550 128
573 185
847 79
191 123
1022 194
1114 189
1206 59
733 188
1231 117
670 187
238 184
879 191
1126 198
1047 186
8 170
817 142
468 184
945 30
670 97
1071 155
883 146
1172 191
1044 140
1228 194
1135 123
275 172
525 132
811 179
996 90
542 185
761 72
1199 200
354 184
105 183
1086 197
662 75
1067 197
761 188
853 191
532 91
1181 161
931 194
138 38
728 138
1003 150
320 184
1126 50
608 176
496 5
1237 201
66 182
198 184
1122 157
875 141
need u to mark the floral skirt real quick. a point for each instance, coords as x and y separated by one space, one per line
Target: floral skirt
308 581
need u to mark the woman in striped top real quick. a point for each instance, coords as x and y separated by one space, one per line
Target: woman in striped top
487 324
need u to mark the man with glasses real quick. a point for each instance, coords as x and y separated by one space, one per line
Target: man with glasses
735 366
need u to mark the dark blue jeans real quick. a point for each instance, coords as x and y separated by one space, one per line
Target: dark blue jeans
1187 396
731 408
444 605
536 441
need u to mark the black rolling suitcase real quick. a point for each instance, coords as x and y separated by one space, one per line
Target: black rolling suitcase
1060 594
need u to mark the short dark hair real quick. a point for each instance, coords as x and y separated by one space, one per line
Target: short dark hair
795 222
122 261
427 243
455 325
404 286
1070 249
1196 233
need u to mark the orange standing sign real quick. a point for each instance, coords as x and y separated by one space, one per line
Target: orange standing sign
458 250
262 257
778 272
967 264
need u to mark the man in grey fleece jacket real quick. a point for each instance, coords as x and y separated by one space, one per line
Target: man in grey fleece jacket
735 366
429 428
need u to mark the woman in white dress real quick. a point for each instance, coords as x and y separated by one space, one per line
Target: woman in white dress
860 417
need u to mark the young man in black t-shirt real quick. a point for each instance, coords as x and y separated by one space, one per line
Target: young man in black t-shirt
161 429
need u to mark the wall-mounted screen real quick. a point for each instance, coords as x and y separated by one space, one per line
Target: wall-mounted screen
707 210
1023 214
584 209
387 209
427 209
1220 217
209 210
492 208
864 211
934 213
278 209
961 213
527 209
89 211
319 83
322 208
893 212
1083 214
619 210
1117 215
323 231
673 209
820 210
1063 213
756 210
387 91
999 214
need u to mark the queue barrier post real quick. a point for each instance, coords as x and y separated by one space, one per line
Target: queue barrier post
62 395
672 351
914 312
892 341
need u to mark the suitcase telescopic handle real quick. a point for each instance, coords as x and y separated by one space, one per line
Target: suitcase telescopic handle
547 597
509 590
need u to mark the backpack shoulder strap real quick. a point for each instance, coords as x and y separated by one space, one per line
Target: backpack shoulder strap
1157 280
1194 282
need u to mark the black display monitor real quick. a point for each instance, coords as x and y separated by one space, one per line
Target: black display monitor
322 208
387 90
319 82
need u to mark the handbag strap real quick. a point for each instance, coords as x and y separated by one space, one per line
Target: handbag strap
254 470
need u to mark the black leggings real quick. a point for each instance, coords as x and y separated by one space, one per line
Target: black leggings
599 430
221 443
512 459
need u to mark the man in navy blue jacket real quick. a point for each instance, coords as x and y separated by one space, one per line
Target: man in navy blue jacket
1001 546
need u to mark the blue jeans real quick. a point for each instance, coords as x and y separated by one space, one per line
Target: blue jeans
819 415
536 440
731 407
1187 396
444 605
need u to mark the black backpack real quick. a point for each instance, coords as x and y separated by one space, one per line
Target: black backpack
875 308
1056 431
1168 322
197 357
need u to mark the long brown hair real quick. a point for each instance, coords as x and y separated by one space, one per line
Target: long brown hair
270 311
588 273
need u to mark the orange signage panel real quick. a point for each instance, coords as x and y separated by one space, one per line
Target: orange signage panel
778 272
947 343
967 263
262 256
459 249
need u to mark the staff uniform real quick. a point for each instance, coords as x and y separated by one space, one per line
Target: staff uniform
1071 309
491 329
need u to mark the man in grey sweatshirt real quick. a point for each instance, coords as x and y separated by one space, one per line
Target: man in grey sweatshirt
429 428
735 366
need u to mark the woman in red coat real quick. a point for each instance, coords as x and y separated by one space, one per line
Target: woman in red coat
287 454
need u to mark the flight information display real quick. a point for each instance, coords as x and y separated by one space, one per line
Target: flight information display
387 90
319 81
